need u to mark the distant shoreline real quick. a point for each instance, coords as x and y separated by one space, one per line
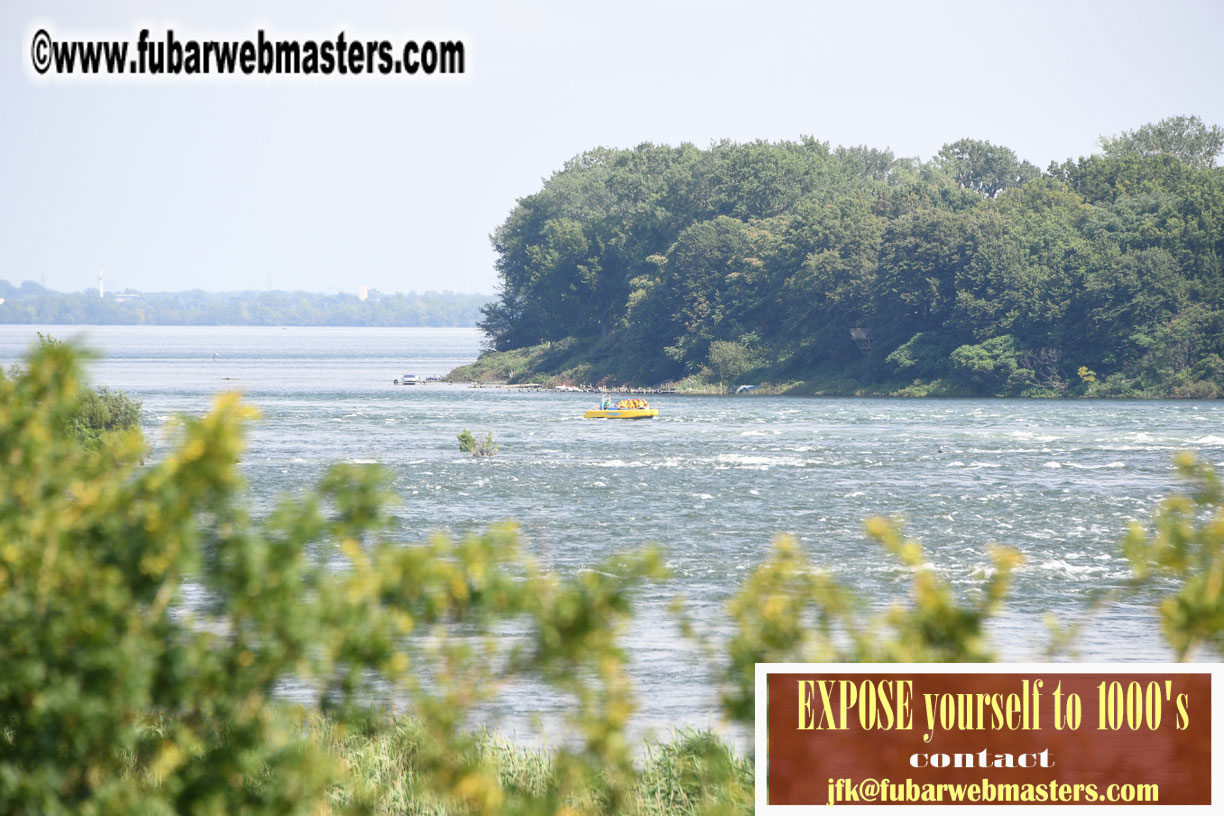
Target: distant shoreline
570 364
32 304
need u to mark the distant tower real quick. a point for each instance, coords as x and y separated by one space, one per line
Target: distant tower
101 285
363 292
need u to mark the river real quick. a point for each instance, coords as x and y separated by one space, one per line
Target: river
711 480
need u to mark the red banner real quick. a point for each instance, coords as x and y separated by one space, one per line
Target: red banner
977 738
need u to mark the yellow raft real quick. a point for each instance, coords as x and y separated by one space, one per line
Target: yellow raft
621 413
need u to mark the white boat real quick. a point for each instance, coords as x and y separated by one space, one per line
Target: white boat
408 379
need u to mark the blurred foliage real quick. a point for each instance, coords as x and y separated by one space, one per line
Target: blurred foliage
99 412
116 699
787 611
692 773
1186 543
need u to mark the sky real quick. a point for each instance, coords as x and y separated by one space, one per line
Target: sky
396 182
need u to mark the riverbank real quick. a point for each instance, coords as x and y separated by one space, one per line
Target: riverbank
572 364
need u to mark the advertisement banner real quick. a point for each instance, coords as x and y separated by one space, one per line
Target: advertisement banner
984 734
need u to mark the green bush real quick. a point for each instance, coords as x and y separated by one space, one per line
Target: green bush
98 412
991 363
103 411
477 447
923 355
113 702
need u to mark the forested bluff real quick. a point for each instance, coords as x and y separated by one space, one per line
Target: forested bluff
850 270
33 303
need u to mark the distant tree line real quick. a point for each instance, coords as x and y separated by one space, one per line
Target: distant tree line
974 272
32 303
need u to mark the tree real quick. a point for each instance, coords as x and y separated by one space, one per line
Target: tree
986 168
990 363
640 259
829 291
33 304
730 359
1185 137
921 258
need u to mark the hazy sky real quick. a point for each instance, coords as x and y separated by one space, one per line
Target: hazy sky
396 182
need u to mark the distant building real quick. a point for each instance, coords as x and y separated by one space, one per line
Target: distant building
862 339
363 292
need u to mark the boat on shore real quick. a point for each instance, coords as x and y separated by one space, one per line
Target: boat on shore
624 409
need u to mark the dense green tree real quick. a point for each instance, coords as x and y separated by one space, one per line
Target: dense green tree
640 259
921 257
730 359
983 167
991 363
832 288
1183 137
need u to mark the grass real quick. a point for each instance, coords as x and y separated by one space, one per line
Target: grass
692 773
547 363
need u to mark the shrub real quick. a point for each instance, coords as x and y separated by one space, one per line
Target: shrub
991 363
477 447
96 412
112 700
1186 542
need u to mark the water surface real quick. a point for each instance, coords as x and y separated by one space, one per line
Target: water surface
711 480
